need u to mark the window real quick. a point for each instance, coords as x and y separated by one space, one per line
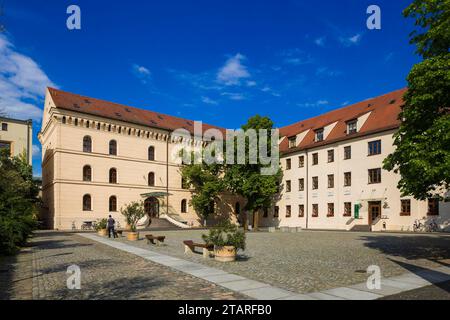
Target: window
374 147
113 148
151 179
183 206
87 124
352 127
87 144
301 184
330 156
76 122
151 153
347 179
112 175
315 183
112 204
292 142
5 145
347 153
87 203
4 127
330 210
315 210
288 185
237 208
375 175
405 207
288 164
87 173
301 210
347 209
433 207
63 120
265 212
331 181
315 159
319 135
301 161
184 184
288 211
276 212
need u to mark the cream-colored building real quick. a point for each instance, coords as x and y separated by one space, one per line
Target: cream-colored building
17 137
98 156
333 176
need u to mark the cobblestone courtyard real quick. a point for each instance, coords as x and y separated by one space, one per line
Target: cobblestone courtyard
314 260
300 262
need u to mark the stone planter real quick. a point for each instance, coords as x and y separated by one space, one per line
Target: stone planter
225 253
102 232
133 236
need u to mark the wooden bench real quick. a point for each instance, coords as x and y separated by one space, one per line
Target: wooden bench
189 247
151 239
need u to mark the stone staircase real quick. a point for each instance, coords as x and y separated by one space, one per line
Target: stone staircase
361 228
160 223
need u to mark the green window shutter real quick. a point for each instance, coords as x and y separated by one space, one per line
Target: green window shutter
357 211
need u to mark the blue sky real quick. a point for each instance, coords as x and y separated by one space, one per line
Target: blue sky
216 61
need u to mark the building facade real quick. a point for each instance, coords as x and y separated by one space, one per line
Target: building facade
98 156
17 137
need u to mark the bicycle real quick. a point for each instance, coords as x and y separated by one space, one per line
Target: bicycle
418 226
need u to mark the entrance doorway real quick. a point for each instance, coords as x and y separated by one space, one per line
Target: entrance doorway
151 207
374 212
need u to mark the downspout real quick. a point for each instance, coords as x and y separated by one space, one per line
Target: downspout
30 160
167 174
307 189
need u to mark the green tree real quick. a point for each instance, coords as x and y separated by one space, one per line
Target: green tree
246 179
422 154
18 201
207 184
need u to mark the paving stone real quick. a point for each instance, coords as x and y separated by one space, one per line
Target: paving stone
323 296
385 289
242 285
267 293
298 297
223 278
352 294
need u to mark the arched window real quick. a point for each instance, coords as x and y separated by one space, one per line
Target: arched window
183 206
87 124
64 120
87 144
151 179
112 204
87 173
87 202
237 208
151 153
112 175
113 148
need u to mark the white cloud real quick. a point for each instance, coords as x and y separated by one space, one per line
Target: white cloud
320 41
324 71
141 73
36 151
251 83
296 57
345 103
234 96
233 71
318 103
208 100
22 83
353 40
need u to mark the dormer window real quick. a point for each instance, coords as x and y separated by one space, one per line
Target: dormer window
319 135
352 127
292 141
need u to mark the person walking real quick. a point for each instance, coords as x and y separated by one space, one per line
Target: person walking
111 223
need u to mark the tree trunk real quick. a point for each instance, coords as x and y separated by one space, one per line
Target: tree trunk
256 220
245 222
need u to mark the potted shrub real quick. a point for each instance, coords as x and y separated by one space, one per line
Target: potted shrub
227 239
133 212
101 226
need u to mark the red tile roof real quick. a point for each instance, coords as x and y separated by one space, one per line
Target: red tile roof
384 116
74 102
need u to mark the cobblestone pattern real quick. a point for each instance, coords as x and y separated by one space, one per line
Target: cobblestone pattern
312 261
107 273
